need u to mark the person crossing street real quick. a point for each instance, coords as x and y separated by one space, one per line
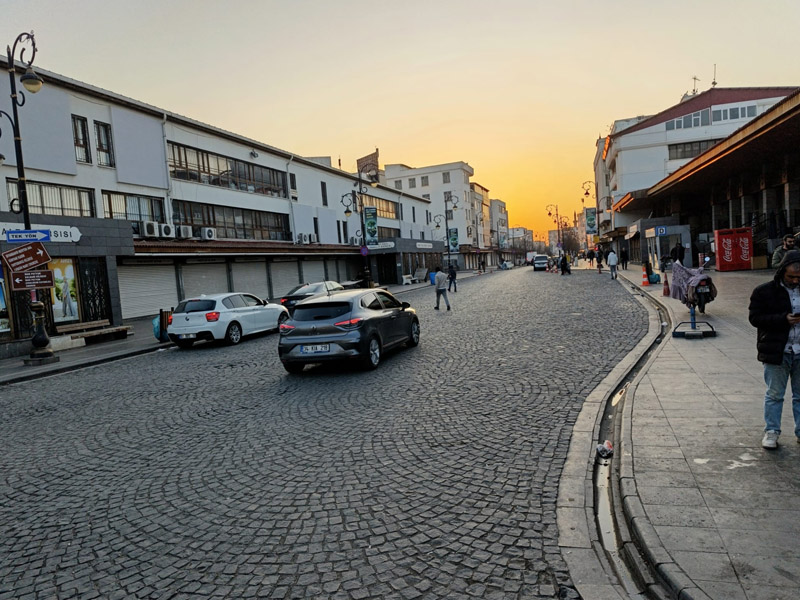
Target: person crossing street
440 281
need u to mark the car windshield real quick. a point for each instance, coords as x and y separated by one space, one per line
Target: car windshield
306 288
188 306
320 311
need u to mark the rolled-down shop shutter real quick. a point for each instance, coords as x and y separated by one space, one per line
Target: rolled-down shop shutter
284 277
204 278
343 273
313 270
146 289
251 277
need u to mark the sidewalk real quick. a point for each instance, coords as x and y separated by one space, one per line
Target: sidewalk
139 341
718 515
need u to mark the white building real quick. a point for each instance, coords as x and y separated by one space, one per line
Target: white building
168 207
642 151
498 215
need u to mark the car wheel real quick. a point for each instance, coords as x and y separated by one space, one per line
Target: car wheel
413 334
234 334
282 319
373 357
294 368
184 344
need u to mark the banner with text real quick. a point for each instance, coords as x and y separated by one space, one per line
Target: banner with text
452 239
370 225
591 221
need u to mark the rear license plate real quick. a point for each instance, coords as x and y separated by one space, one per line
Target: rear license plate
186 336
702 288
315 349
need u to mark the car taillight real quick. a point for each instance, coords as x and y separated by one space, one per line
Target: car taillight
349 324
212 316
286 328
284 300
169 319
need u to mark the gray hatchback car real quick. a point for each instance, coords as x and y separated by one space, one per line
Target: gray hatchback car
355 325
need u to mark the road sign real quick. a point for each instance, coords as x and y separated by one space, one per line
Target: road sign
27 235
364 251
661 230
26 257
58 233
32 280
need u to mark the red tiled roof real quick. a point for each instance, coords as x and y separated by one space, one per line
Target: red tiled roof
706 100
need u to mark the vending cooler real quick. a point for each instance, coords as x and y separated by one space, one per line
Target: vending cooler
734 249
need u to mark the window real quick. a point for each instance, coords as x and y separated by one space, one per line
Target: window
251 300
690 149
423 181
232 223
734 113
446 177
47 199
386 208
105 148
324 190
213 169
371 302
388 232
413 214
339 230
426 196
316 227
751 110
388 301
398 185
80 135
412 183
133 208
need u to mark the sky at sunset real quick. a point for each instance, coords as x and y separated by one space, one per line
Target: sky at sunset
519 89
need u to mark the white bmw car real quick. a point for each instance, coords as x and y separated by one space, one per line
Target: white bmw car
226 317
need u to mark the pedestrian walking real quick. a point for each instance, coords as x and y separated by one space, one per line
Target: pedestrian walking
623 259
590 257
788 244
440 280
677 253
565 270
451 278
599 260
611 259
775 310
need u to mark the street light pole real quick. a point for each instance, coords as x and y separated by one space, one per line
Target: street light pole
553 208
354 201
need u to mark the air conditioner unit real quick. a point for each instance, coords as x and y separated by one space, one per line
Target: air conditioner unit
312 238
208 233
166 230
300 238
184 231
149 229
356 241
305 238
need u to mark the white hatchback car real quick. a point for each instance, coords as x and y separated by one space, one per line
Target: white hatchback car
226 317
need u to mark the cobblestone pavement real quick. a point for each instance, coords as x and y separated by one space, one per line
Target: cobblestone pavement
211 473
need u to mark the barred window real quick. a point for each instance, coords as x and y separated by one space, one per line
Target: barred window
47 199
105 148
133 207
80 135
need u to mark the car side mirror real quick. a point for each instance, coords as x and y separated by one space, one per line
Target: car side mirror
405 305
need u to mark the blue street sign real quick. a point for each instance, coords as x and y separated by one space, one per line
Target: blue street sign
27 235
661 230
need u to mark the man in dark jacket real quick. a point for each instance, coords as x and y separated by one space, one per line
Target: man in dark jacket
775 311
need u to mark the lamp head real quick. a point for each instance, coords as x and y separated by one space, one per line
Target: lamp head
348 212
31 81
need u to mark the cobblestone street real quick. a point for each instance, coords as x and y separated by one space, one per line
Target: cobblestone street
211 473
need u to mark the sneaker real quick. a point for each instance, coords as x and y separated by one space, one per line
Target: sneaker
435 308
770 440
448 308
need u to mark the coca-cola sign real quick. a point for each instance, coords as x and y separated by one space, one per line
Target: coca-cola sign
734 249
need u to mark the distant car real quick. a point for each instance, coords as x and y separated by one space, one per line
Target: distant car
507 265
226 317
306 290
540 262
357 325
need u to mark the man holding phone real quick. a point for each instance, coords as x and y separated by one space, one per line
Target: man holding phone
775 310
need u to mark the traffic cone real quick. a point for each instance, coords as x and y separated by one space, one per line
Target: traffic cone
666 285
645 281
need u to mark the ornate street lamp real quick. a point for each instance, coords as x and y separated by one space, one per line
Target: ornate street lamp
41 352
588 190
552 211
354 202
453 200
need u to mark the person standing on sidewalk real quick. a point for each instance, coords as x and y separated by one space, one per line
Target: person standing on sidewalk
775 310
440 280
623 259
451 278
780 251
611 259
599 260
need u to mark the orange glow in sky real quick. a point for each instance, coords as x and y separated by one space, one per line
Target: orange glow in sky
519 89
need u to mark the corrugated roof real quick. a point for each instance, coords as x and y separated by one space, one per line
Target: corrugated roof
707 99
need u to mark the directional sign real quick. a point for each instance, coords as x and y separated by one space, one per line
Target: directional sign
26 257
58 233
28 235
32 280
661 230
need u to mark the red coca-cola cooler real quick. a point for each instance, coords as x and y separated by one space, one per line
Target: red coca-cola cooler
734 249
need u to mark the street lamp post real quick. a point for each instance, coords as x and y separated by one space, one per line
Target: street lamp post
453 200
41 352
553 208
354 201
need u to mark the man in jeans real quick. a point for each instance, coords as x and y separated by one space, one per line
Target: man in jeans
775 311
440 281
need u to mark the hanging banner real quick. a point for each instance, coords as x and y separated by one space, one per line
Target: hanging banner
452 239
591 221
370 225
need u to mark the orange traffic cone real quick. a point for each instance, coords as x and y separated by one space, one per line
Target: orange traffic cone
666 285
645 281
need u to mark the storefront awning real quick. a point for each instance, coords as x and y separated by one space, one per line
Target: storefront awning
631 234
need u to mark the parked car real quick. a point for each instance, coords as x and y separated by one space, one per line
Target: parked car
306 290
226 317
357 325
540 262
